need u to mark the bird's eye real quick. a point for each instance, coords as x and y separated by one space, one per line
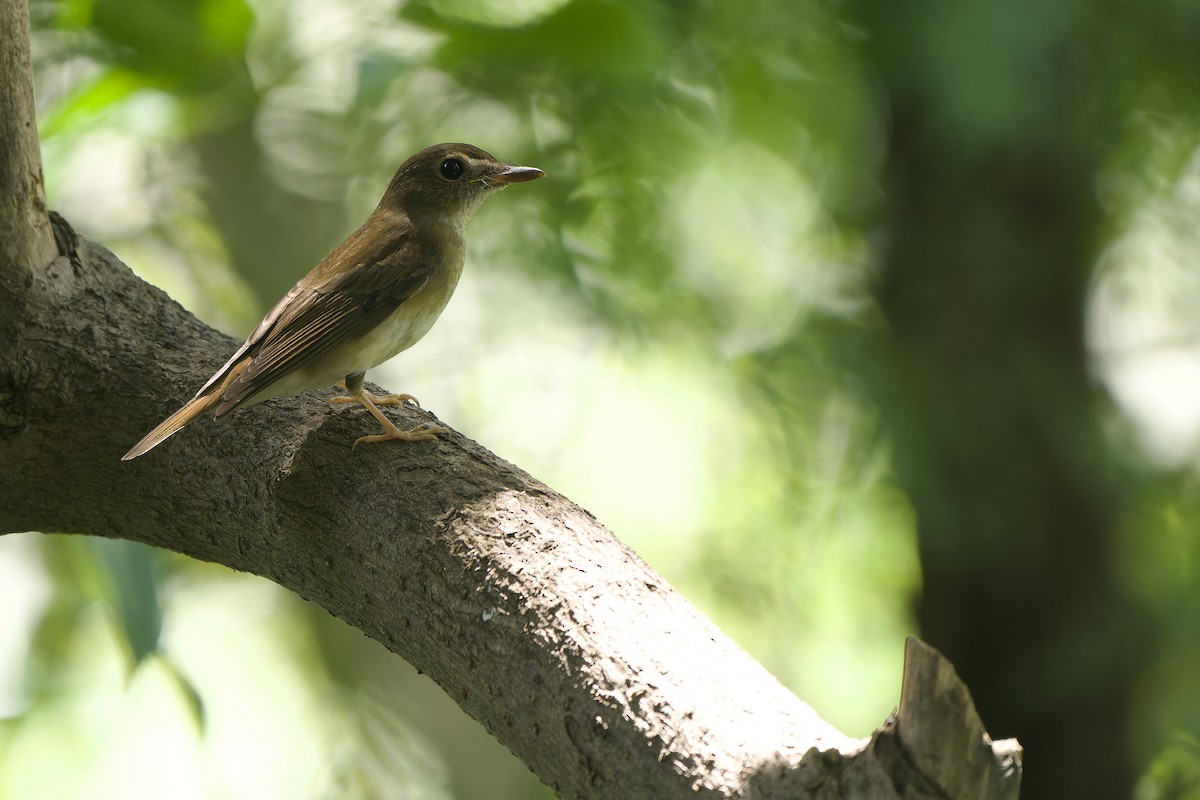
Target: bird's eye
451 169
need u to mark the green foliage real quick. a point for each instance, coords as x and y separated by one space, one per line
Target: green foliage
180 45
686 311
1174 775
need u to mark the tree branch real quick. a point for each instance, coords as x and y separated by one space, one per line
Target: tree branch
541 625
519 604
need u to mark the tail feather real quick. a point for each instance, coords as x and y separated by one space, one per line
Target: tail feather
194 408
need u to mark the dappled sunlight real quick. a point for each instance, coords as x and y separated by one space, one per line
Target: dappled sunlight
1143 328
236 704
25 592
266 732
694 326
749 233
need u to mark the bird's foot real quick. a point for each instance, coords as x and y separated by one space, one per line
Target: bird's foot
417 434
392 433
379 400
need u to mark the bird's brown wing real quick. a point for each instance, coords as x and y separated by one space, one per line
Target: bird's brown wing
331 306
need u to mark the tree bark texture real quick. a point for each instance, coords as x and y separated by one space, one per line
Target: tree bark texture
25 236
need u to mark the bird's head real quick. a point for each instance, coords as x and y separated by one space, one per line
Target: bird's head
450 182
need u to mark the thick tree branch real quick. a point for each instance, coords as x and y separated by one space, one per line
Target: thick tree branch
543 626
530 614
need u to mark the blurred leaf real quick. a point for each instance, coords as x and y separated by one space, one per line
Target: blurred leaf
590 39
132 593
111 87
1175 774
195 703
377 72
226 24
185 44
511 14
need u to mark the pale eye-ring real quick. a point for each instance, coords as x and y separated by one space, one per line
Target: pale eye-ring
451 169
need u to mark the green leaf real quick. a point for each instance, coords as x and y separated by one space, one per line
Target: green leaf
132 593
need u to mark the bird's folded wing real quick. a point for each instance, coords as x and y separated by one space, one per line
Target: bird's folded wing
314 319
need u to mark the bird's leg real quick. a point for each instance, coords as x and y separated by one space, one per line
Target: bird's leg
354 385
417 434
379 400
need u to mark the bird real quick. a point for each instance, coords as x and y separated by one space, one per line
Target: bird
375 295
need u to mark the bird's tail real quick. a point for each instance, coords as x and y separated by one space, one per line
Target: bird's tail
194 408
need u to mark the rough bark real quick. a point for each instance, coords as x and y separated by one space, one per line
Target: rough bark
25 237
540 624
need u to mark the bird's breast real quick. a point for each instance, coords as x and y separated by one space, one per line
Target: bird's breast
411 320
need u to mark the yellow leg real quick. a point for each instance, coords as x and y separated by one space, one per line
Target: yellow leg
354 385
382 400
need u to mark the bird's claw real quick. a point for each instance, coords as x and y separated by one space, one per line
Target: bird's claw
418 434
383 400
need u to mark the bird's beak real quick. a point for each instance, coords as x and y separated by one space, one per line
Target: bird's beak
514 174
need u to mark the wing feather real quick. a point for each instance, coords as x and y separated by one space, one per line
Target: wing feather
330 306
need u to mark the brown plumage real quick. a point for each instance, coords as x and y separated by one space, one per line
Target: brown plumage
375 295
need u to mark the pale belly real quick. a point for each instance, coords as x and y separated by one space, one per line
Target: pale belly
395 334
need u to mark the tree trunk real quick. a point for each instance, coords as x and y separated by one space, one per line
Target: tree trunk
25 236
993 227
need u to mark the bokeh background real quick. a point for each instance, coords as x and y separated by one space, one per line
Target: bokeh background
855 319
